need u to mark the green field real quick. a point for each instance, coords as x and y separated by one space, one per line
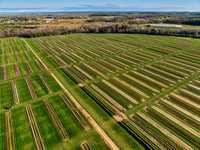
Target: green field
141 90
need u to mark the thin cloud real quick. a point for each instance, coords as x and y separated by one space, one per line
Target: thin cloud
106 7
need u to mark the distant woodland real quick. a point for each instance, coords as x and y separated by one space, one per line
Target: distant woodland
33 25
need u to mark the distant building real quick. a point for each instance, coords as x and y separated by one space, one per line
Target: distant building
166 25
48 20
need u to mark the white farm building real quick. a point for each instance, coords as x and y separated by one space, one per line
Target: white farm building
166 25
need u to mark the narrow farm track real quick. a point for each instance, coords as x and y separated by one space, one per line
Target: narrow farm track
101 132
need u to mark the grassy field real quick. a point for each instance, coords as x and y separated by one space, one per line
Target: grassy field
22 131
142 90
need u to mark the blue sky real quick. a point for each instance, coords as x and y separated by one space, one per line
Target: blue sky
100 5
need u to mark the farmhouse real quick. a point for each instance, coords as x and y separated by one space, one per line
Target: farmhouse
166 25
48 20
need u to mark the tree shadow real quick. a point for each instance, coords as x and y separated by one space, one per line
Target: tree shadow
6 108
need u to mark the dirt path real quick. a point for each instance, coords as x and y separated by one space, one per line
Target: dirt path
101 132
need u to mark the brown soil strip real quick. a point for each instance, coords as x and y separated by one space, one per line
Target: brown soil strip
62 61
4 72
126 60
119 62
177 77
182 64
78 56
177 66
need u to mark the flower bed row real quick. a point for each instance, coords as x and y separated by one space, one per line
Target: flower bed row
173 127
2 51
85 146
17 70
45 84
4 72
180 115
30 87
8 58
28 67
113 94
56 121
164 141
18 57
34 128
15 93
75 112
39 65
10 143
27 55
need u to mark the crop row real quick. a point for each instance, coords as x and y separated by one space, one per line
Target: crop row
15 58
157 136
25 89
10 143
17 70
175 116
56 120
75 112
34 128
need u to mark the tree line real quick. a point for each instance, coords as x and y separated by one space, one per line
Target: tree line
95 28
